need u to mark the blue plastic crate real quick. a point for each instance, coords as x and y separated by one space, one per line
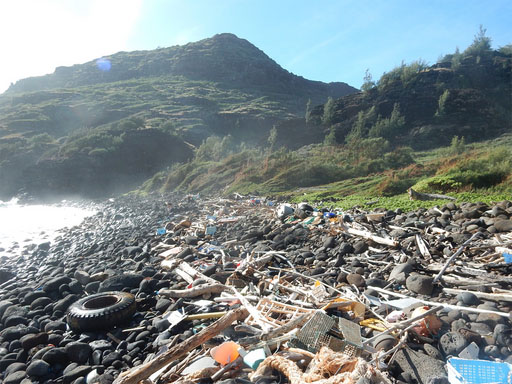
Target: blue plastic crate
462 371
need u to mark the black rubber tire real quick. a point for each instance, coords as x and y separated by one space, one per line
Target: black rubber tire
101 311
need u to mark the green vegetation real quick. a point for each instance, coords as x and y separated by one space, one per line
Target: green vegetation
406 74
337 174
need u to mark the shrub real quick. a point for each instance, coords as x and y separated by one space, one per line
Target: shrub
390 127
441 108
481 44
330 138
329 110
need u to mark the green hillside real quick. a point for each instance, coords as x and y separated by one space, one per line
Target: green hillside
79 119
444 128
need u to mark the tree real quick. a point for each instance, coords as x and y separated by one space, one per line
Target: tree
457 145
330 138
441 109
329 109
391 127
308 111
272 137
368 82
481 44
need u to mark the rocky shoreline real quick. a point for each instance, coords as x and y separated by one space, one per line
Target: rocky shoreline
122 247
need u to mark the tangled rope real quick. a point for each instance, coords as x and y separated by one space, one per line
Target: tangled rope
327 367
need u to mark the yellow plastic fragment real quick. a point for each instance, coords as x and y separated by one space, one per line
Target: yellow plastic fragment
372 323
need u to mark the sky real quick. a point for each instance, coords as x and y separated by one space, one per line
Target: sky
326 40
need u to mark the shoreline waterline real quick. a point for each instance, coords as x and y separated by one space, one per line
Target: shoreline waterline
24 224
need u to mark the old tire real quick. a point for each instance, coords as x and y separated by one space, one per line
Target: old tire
101 311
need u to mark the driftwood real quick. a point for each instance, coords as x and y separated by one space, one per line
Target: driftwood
497 296
296 323
414 195
370 236
143 371
194 291
452 257
422 247
435 304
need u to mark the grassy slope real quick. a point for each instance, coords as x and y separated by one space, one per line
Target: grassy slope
319 173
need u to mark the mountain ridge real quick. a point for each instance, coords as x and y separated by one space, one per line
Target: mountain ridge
82 117
189 60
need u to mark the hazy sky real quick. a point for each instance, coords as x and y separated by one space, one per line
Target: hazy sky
318 39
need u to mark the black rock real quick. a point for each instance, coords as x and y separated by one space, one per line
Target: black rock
142 335
418 365
78 352
40 302
452 343
15 378
55 338
55 326
82 277
4 304
420 284
210 270
162 304
355 279
7 361
119 282
63 304
31 296
14 310
503 225
15 367
30 341
54 284
76 372
186 252
5 275
92 287
109 359
11 321
132 251
191 240
105 378
38 368
405 268
56 355
360 247
345 248
329 242
101 345
468 298
14 333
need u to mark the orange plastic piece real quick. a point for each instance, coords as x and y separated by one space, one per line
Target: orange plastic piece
430 325
225 353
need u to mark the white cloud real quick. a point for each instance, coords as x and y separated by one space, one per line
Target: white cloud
39 35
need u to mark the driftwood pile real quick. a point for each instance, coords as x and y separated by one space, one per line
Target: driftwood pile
332 297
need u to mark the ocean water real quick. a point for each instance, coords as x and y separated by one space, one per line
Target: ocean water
21 224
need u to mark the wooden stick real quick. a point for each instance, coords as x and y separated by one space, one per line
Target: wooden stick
433 303
452 257
483 295
194 291
298 322
414 195
371 236
143 371
422 247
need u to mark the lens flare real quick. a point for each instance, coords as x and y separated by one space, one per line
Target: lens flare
103 64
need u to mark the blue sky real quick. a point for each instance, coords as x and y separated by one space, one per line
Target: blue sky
320 40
